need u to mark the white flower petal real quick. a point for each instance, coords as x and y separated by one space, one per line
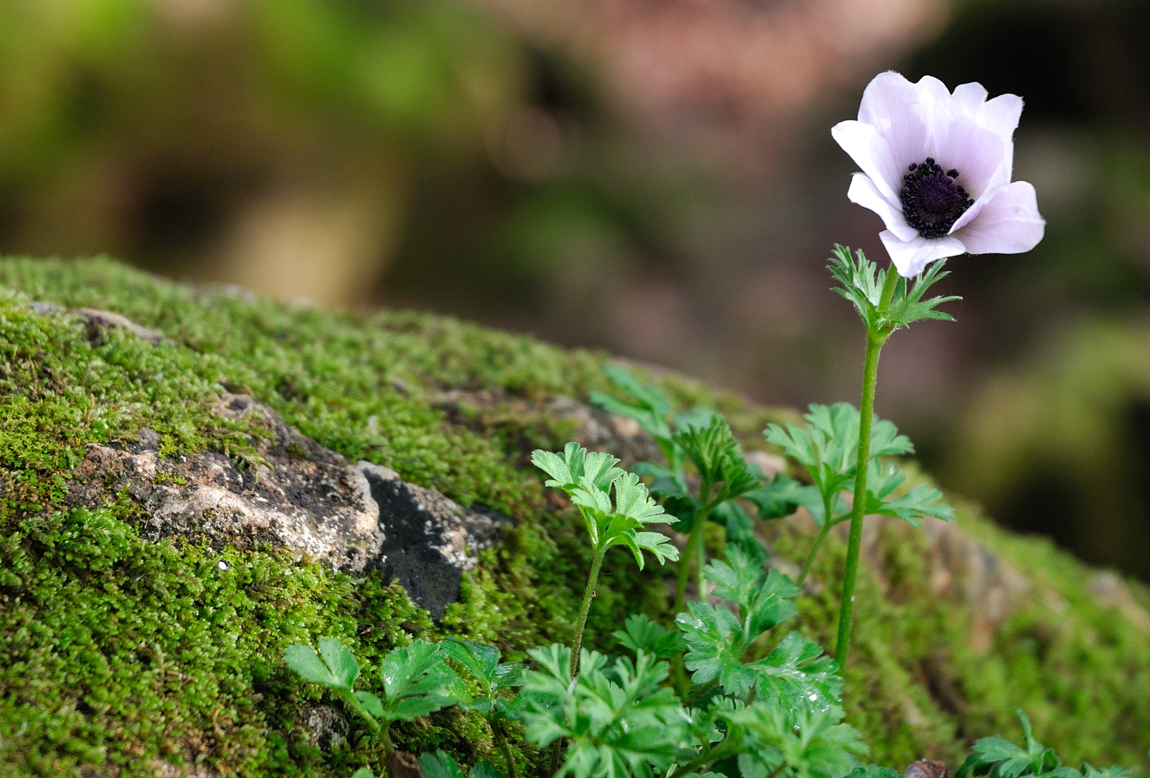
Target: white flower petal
864 192
884 98
979 154
971 213
969 99
900 111
1001 115
1009 223
871 153
902 123
911 256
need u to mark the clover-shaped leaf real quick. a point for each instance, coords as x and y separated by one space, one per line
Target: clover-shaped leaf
416 682
337 669
481 661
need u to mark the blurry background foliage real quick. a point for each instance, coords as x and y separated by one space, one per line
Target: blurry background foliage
656 178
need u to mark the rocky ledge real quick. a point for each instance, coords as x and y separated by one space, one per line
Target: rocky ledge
296 494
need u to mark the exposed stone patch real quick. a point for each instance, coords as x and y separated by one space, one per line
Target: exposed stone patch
1113 592
326 727
98 321
301 496
965 570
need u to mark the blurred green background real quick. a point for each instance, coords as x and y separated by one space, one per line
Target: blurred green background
655 177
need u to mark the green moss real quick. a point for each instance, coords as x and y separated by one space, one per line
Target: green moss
120 652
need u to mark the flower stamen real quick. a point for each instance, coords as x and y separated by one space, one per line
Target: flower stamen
931 199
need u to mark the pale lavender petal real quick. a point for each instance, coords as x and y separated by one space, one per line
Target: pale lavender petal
969 98
864 192
979 154
900 111
933 92
872 154
1009 223
911 256
1001 116
971 213
884 98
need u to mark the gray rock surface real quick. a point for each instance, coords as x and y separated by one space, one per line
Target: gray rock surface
300 496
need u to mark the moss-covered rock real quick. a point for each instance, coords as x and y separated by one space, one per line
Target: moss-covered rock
127 656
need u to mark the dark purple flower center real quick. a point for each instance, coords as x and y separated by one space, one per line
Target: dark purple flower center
931 199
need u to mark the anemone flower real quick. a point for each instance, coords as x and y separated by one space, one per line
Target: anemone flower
936 167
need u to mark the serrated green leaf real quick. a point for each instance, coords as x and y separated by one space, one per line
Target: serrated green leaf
415 707
417 681
715 647
798 673
372 704
716 638
479 659
308 665
997 757
614 504
640 633
740 530
507 676
340 661
908 306
782 497
717 457
764 600
634 501
483 769
873 771
363 772
920 502
861 282
618 717
796 743
439 764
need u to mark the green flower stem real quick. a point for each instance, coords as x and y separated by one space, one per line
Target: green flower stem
501 741
701 558
694 549
685 568
577 643
357 706
828 523
875 339
588 595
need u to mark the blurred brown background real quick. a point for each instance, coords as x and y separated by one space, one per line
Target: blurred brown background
655 177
